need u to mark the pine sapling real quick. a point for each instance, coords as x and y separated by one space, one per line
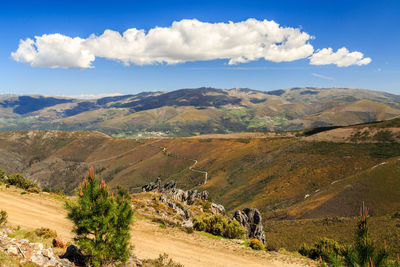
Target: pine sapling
101 222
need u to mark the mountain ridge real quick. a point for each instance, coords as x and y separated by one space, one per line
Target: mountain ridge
204 110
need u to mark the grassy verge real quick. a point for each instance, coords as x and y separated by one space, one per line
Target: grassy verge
9 261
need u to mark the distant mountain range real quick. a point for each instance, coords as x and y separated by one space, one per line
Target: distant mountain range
188 112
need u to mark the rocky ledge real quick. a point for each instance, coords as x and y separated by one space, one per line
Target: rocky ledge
25 251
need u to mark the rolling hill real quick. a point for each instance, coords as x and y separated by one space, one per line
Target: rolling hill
189 112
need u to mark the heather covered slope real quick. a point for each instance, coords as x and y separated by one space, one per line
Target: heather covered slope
379 186
307 184
189 112
279 174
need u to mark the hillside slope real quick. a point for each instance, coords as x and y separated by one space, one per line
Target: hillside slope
270 172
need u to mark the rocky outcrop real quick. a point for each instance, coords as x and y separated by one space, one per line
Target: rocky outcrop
184 213
188 197
250 219
30 252
157 186
153 186
173 197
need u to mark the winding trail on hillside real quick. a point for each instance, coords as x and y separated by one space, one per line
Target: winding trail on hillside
32 211
191 168
346 178
117 156
164 150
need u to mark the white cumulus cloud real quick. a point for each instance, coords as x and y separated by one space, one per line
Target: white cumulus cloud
184 41
342 57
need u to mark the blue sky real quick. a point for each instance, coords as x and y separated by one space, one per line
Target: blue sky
369 27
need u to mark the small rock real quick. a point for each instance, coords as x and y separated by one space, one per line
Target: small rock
188 224
65 263
48 253
58 243
37 246
38 259
217 209
12 250
133 262
238 241
52 263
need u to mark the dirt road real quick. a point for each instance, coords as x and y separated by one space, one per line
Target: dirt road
33 211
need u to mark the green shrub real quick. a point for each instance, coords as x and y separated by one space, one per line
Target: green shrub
45 233
60 193
46 189
101 222
20 181
219 225
271 247
206 205
2 174
9 260
3 217
363 253
326 249
256 244
384 136
162 261
33 189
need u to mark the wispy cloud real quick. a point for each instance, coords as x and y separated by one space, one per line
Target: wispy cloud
321 76
92 96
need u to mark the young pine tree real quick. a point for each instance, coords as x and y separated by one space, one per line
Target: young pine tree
101 222
364 252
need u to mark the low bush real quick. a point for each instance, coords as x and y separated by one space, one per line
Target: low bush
39 235
206 205
9 260
326 249
384 136
219 225
33 189
271 247
3 217
363 253
163 260
45 233
256 244
20 181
